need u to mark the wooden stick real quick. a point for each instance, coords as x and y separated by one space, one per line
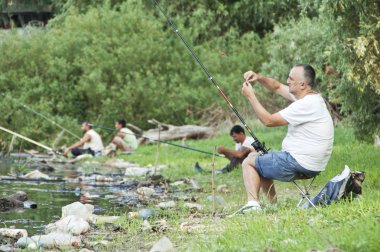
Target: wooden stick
26 139
10 147
213 183
158 149
58 139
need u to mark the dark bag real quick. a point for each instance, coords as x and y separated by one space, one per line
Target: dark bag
347 185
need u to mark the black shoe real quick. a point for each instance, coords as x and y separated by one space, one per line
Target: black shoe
222 171
198 169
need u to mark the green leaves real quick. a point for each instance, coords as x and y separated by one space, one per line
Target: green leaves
100 60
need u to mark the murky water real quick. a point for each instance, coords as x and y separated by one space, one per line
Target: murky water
52 196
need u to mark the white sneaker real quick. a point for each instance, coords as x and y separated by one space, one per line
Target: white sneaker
251 206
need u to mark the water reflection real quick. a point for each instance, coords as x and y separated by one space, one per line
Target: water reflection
52 196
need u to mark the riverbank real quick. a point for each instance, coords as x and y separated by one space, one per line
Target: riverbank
348 226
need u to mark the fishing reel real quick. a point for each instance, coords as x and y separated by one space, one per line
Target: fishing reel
260 147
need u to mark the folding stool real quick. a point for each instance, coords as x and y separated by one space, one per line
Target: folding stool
305 192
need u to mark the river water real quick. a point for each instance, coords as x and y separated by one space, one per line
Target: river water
52 196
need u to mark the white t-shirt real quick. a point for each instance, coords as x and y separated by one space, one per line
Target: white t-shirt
95 142
247 143
310 134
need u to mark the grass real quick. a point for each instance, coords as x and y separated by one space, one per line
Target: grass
350 226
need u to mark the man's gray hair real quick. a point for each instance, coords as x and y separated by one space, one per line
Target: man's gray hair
308 74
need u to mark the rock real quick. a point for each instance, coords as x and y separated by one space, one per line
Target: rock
12 201
119 163
218 199
71 224
101 178
85 250
13 233
178 183
194 184
146 213
163 245
108 196
190 227
78 209
36 174
222 188
159 226
81 157
6 248
99 219
145 191
166 205
137 171
194 206
56 240
192 198
87 195
19 195
26 243
146 226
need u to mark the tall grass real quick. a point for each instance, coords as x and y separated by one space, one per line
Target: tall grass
350 226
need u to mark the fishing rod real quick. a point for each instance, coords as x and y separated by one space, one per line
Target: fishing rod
46 118
158 141
257 145
27 139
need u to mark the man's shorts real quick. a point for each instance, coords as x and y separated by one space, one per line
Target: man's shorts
280 165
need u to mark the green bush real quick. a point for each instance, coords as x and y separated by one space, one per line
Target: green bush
100 60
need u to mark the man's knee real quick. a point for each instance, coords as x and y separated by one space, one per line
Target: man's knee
116 140
249 161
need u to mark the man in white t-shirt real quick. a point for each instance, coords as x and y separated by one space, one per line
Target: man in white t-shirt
243 146
91 143
308 144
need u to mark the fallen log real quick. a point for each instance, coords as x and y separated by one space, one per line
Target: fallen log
172 132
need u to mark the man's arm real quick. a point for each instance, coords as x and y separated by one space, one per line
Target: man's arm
268 119
271 84
121 135
233 153
81 142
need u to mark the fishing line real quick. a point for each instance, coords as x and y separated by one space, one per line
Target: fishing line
45 117
257 145
158 141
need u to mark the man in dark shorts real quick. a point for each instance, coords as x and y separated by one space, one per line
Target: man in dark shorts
243 146
308 144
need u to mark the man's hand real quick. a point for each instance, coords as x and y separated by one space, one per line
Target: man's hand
251 76
247 89
221 149
67 150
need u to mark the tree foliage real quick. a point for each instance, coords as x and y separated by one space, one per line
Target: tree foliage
100 60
